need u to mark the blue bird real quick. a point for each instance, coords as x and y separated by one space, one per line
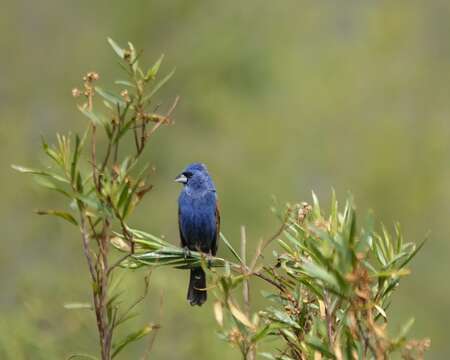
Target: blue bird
199 223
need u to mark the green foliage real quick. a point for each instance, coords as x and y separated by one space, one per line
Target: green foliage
330 286
102 192
152 251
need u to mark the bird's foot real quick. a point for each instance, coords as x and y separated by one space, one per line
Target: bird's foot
209 259
186 252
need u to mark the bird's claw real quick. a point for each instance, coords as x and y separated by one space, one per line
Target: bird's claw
209 259
186 252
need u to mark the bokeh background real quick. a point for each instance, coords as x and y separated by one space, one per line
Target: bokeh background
277 97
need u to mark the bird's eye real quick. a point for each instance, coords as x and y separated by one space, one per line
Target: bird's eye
188 174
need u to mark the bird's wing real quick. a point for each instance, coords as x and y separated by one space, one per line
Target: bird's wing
216 240
182 239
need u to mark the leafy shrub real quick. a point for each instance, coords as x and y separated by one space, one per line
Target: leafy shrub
330 286
103 191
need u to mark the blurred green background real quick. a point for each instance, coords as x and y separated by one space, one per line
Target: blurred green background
278 98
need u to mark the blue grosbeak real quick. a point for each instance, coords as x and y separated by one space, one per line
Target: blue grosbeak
199 223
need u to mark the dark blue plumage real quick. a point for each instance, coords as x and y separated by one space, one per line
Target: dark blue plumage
199 222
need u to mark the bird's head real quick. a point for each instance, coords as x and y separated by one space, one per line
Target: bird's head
196 178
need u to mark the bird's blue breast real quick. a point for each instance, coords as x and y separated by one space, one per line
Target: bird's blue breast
198 223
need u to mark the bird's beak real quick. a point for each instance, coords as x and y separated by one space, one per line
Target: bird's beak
181 179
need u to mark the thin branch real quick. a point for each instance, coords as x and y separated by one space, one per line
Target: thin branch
264 244
109 148
118 262
245 286
328 318
269 280
85 241
140 299
164 119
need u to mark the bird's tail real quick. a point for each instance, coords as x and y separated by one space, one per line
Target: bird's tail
197 281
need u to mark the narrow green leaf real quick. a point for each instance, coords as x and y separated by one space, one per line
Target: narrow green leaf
392 284
128 205
62 214
405 328
158 86
366 234
261 334
413 253
151 73
399 237
46 183
132 338
82 356
123 195
316 206
318 345
123 130
112 98
117 49
283 318
381 311
95 204
125 83
130 316
230 247
77 306
290 335
26 170
388 244
51 153
286 247
91 116
267 355
316 271
146 236
73 166
334 213
380 251
134 57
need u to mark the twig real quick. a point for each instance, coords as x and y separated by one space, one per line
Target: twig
263 244
245 287
269 280
85 241
141 298
109 148
250 353
118 262
165 118
328 318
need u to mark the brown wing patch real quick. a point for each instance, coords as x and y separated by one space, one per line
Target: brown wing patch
216 240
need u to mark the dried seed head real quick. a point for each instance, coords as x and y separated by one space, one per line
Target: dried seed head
125 95
415 349
127 55
91 76
76 92
303 210
235 336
